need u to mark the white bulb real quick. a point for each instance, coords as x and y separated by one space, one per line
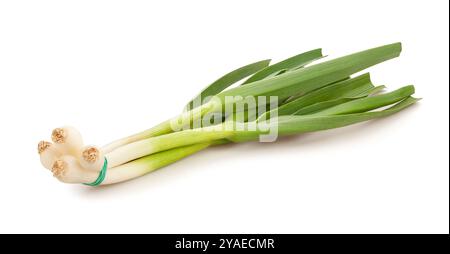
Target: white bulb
67 169
68 140
92 158
48 153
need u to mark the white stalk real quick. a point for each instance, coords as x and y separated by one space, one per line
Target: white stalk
68 170
153 145
160 129
67 140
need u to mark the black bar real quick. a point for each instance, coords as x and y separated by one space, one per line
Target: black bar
207 243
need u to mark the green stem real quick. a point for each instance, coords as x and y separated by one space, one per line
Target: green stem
152 145
160 129
183 121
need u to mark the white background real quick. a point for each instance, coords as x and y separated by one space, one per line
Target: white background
112 68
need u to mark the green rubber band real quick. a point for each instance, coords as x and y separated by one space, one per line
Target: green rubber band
101 175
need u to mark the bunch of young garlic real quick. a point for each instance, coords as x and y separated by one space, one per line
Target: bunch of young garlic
310 98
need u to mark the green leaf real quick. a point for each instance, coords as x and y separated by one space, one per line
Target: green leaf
331 103
226 81
369 103
341 89
376 90
323 105
296 96
295 124
310 78
277 73
297 61
309 123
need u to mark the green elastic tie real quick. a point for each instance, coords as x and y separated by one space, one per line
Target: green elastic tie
101 175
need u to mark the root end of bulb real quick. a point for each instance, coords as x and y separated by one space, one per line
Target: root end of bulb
58 168
43 145
91 154
59 135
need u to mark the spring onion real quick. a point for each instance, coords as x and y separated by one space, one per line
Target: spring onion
291 97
